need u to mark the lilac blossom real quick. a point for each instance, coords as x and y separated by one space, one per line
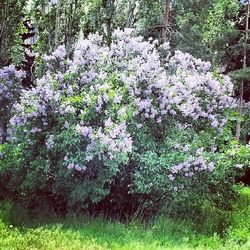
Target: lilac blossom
120 88
59 53
50 142
10 89
240 166
191 167
84 130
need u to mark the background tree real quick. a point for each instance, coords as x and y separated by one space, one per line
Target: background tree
242 74
11 13
58 22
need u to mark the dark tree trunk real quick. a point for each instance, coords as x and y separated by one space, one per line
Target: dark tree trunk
4 131
238 126
109 9
165 30
3 24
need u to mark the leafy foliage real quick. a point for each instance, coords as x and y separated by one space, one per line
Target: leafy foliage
122 110
10 43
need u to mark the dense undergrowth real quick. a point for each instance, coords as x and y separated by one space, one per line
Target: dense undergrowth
216 229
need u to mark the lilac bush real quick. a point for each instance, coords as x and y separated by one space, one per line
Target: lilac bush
10 88
122 110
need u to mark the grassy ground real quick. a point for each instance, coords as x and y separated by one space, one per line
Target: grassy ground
99 234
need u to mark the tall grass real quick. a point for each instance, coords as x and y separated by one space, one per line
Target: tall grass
215 230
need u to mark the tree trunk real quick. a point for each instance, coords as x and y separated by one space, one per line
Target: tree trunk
57 24
3 28
109 8
166 16
69 38
238 126
131 10
4 131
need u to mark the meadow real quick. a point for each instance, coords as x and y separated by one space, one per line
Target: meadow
216 230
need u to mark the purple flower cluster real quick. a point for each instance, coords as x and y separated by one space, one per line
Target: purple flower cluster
10 88
50 142
76 167
186 62
190 90
40 103
85 131
59 54
190 168
107 143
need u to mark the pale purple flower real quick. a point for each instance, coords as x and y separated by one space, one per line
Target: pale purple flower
70 90
71 166
35 130
144 104
171 177
108 123
117 99
240 166
48 58
121 111
159 120
199 150
185 148
84 130
215 124
66 125
78 167
60 52
172 112
50 142
213 148
89 158
190 174
138 125
211 166
69 109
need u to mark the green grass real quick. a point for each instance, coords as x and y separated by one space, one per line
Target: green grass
16 232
